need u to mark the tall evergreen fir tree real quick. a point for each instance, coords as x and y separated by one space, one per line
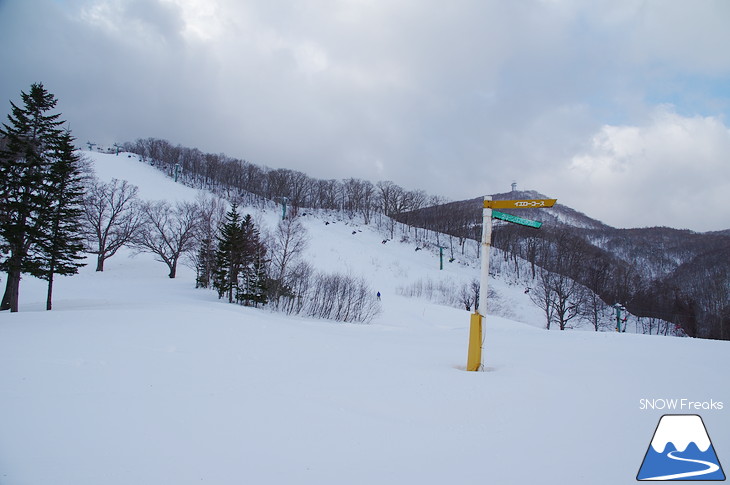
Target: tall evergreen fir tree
31 138
260 276
204 264
228 256
61 246
246 257
253 277
240 261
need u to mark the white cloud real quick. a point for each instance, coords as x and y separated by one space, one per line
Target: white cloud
202 19
672 171
145 24
684 35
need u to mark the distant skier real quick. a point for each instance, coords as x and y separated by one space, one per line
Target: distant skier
378 296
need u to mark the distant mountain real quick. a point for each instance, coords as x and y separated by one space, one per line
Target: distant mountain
471 210
676 275
559 215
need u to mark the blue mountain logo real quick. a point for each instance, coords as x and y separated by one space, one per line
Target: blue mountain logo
681 450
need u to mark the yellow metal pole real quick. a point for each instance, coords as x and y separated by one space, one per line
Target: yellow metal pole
474 358
476 331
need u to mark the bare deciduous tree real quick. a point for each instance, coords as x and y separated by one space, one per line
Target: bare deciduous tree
596 278
168 232
112 218
286 245
469 295
568 299
542 295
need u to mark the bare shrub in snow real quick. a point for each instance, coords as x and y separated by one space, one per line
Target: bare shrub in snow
341 297
469 295
447 292
300 277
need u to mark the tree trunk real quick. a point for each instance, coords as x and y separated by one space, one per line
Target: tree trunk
12 288
5 305
100 262
49 298
173 269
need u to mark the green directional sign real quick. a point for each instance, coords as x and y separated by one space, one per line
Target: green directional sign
515 219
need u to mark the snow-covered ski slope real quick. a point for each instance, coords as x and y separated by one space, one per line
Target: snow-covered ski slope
134 378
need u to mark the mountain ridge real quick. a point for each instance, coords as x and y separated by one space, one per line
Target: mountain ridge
660 272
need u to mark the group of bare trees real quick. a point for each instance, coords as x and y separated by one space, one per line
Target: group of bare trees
296 288
115 217
561 297
694 296
253 184
340 297
206 236
445 292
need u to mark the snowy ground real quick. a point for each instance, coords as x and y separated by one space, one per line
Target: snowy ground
134 378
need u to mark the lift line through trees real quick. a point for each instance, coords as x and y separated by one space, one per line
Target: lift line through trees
476 340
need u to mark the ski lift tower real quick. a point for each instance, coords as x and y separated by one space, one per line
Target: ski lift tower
284 201
621 316
176 171
441 257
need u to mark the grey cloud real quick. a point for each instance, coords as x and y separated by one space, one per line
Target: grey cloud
457 98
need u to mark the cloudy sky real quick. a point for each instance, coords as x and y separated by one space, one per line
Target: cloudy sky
618 108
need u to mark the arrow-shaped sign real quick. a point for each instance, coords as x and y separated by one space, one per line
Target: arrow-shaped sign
519 204
516 220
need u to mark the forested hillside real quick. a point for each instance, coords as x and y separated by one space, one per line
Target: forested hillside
658 273
255 184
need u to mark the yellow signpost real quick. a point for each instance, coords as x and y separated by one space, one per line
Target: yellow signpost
519 204
476 333
474 357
